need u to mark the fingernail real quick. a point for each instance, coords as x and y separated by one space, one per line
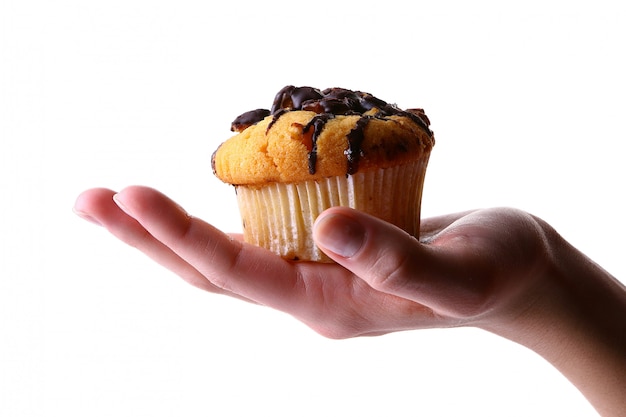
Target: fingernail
118 199
340 234
86 216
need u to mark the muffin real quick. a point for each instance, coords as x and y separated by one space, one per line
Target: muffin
315 149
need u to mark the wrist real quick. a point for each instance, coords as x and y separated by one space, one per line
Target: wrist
574 317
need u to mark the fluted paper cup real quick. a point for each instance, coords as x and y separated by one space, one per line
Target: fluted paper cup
280 216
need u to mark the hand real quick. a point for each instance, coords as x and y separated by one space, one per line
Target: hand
499 269
470 268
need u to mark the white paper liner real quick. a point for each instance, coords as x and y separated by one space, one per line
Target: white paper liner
280 216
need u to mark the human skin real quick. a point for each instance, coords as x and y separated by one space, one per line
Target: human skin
501 270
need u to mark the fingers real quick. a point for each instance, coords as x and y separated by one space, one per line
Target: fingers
401 283
327 297
98 206
393 262
225 261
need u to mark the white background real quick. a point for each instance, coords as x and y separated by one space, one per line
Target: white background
527 102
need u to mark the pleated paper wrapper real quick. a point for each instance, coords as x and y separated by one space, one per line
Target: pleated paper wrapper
280 216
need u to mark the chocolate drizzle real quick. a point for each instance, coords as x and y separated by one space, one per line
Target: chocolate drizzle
355 138
327 104
317 123
248 119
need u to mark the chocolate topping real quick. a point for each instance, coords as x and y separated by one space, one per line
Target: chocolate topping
291 98
252 117
317 123
355 138
327 104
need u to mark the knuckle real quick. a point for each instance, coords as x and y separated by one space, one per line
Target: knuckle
391 271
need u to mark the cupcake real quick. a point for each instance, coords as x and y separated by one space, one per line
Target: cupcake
315 149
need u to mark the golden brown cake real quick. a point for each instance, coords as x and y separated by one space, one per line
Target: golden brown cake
315 149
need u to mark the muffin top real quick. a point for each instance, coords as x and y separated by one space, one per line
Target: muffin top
310 134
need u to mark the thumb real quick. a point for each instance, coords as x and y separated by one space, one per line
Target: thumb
394 262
